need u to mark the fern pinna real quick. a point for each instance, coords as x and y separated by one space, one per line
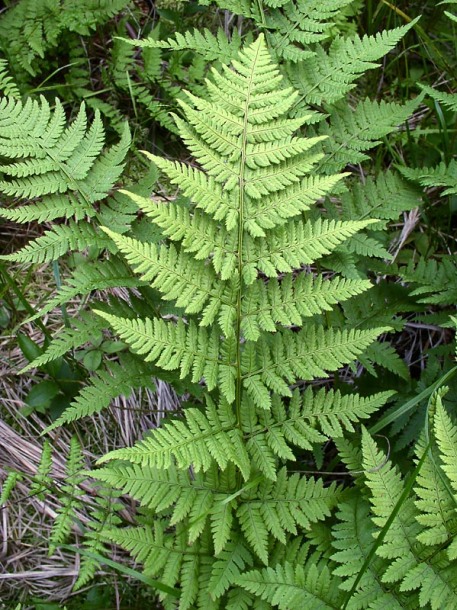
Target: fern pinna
250 327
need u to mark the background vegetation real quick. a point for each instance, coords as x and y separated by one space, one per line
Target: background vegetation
53 553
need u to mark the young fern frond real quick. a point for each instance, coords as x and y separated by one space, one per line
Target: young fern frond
71 501
8 485
42 479
447 99
103 515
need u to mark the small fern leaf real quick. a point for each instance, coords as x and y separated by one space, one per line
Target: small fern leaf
58 241
7 85
446 436
196 442
203 42
8 486
290 587
43 480
447 99
71 501
87 329
280 506
172 346
227 568
436 505
329 75
120 380
176 274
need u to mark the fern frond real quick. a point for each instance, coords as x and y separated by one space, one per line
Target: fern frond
447 99
71 502
8 485
308 419
384 355
102 516
288 302
89 277
294 587
197 499
204 42
436 586
64 166
87 329
169 556
229 565
435 504
172 272
436 280
58 241
32 27
352 132
295 244
305 355
119 380
443 175
446 436
197 441
198 235
42 478
383 198
328 75
294 31
172 346
7 85
279 507
90 14
352 538
206 192
217 473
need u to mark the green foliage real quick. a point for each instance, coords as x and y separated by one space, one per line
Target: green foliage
265 260
71 502
434 281
33 27
204 42
405 537
103 515
443 175
62 165
234 337
7 85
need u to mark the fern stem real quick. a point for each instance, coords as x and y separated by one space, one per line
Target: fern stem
239 378
262 12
